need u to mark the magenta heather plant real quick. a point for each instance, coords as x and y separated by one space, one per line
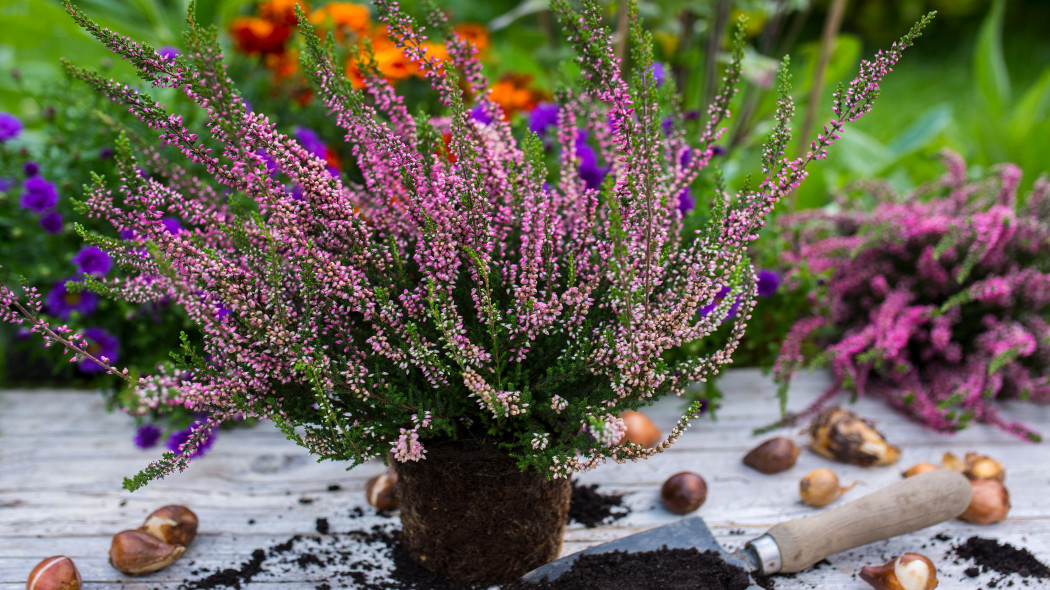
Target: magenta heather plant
438 292
936 302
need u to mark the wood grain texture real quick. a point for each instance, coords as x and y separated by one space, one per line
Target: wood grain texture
903 507
63 457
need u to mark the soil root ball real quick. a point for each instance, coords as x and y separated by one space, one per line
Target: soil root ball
469 512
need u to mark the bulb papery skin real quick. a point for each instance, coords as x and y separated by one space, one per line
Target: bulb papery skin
911 571
915 572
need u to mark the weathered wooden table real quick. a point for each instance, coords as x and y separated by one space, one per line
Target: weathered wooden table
62 460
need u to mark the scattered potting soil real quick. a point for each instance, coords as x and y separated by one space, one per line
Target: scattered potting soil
662 569
591 508
1002 558
369 558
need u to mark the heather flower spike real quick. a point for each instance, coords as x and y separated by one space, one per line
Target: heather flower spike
936 303
449 291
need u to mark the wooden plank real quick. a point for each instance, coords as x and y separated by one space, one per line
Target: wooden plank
62 459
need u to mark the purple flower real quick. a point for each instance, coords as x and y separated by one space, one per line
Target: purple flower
310 142
147 436
52 222
93 261
479 114
100 343
667 125
659 72
10 127
5 184
591 173
62 303
172 225
768 282
127 234
686 202
168 52
543 117
271 164
722 293
105 153
39 196
179 438
31 169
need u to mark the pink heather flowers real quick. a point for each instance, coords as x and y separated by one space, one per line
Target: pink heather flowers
437 290
937 303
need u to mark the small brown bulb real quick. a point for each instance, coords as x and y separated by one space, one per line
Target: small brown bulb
821 487
920 468
950 461
175 525
640 430
989 504
135 553
911 571
683 492
984 467
773 456
381 491
54 573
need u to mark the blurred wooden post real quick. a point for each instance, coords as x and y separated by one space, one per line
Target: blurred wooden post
621 30
832 24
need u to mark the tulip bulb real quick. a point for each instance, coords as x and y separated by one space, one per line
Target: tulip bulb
989 504
950 461
841 435
773 456
821 487
640 430
920 468
984 467
911 571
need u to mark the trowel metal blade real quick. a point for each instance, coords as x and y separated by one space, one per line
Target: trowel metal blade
687 533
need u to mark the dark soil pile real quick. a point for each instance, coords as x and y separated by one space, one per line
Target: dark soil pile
990 555
663 569
591 508
366 560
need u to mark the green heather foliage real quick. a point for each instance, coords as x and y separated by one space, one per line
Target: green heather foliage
452 284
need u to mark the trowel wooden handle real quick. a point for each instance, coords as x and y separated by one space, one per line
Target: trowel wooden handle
909 505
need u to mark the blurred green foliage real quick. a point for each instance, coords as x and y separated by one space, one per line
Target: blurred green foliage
966 86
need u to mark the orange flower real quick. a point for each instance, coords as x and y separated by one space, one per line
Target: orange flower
357 81
332 159
512 92
380 38
475 33
284 65
256 35
437 51
344 16
393 64
282 11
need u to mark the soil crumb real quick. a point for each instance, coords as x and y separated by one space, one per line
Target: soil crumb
662 569
1002 558
591 508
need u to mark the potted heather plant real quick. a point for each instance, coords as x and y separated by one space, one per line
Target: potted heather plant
937 302
450 302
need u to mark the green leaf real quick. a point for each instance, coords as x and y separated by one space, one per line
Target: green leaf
921 132
993 79
1031 111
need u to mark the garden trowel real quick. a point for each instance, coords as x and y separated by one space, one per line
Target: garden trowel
909 505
